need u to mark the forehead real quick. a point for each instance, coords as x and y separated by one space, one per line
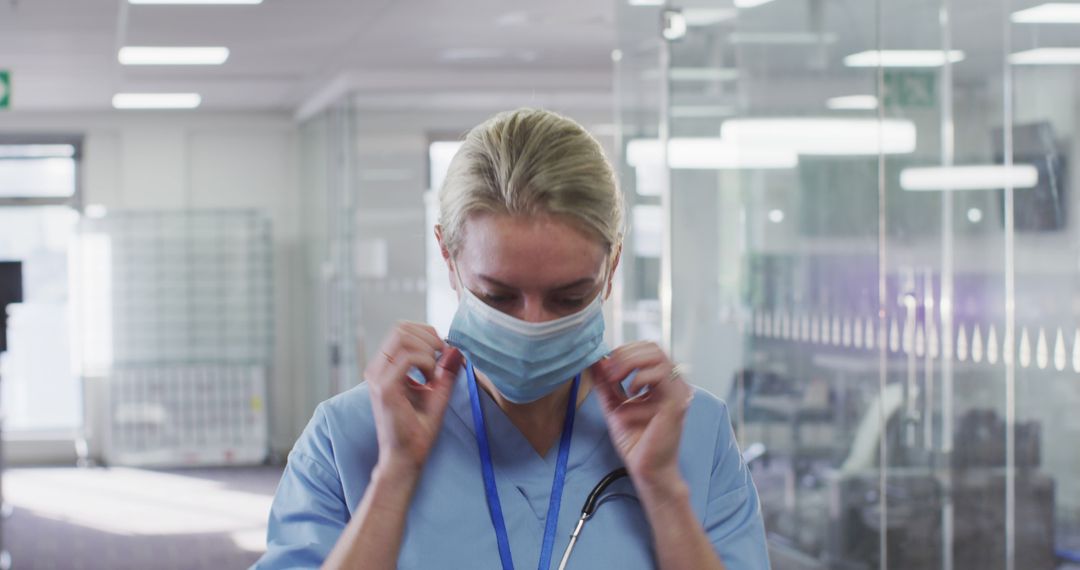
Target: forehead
529 251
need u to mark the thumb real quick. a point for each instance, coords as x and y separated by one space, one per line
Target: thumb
446 371
610 396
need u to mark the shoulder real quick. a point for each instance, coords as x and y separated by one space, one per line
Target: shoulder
708 438
341 428
707 407
352 406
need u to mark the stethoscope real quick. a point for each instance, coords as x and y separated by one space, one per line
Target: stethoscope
591 504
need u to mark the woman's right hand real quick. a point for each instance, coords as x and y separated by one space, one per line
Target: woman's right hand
408 415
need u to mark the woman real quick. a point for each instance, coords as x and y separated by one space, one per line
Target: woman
385 476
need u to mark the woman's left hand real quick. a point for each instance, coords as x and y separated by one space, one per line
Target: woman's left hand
645 430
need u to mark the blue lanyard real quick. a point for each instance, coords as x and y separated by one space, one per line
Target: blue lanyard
494 507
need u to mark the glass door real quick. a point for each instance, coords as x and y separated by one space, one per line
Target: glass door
870 255
40 389
40 379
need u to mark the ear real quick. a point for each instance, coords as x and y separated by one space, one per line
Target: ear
616 256
446 256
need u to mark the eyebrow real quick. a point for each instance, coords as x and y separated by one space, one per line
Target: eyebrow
580 282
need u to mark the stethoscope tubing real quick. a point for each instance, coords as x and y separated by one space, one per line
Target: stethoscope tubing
589 509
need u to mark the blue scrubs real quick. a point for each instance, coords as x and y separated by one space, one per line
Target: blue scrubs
449 525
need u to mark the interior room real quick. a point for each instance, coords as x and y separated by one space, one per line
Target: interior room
850 221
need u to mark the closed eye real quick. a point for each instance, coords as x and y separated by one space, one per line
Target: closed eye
497 299
571 302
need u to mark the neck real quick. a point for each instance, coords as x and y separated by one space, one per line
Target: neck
541 422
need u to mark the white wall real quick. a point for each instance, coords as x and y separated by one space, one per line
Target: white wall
182 160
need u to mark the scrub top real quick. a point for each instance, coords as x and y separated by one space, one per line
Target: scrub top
449 525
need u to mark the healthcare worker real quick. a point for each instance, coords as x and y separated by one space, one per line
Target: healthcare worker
479 450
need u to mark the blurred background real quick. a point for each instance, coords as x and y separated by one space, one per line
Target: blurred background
852 220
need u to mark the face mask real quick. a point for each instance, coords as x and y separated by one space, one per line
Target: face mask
527 361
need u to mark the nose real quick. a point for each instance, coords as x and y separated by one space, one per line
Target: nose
534 311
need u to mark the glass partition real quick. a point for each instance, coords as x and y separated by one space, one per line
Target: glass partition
862 221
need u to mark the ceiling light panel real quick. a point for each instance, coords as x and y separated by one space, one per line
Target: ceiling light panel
823 136
781 38
1047 56
138 55
750 3
37 151
972 177
702 17
156 100
1051 13
200 2
707 154
852 103
903 58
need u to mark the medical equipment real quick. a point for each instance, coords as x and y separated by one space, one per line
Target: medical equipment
587 511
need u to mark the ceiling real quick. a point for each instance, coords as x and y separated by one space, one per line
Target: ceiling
298 55
286 54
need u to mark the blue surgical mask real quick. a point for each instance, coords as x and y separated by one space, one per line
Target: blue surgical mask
527 361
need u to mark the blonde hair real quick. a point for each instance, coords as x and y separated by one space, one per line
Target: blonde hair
531 162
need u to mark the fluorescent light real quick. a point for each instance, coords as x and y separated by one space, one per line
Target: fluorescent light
701 17
1050 13
708 154
692 74
251 2
1047 56
703 74
471 54
823 136
156 100
852 102
701 111
973 177
782 38
646 2
173 55
750 3
902 58
37 151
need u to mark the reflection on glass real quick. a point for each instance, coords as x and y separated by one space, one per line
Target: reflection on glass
40 384
874 262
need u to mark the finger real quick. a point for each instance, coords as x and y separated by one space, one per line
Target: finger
611 395
415 340
425 333
649 378
446 369
637 413
395 375
413 336
446 373
410 344
599 372
450 363
627 412
628 358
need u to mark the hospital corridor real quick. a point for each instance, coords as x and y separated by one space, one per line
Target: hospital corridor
589 284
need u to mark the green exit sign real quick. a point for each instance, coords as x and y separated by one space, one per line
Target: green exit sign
910 88
5 89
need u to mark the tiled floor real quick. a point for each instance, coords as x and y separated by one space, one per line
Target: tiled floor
120 518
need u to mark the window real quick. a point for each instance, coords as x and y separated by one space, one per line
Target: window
44 170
